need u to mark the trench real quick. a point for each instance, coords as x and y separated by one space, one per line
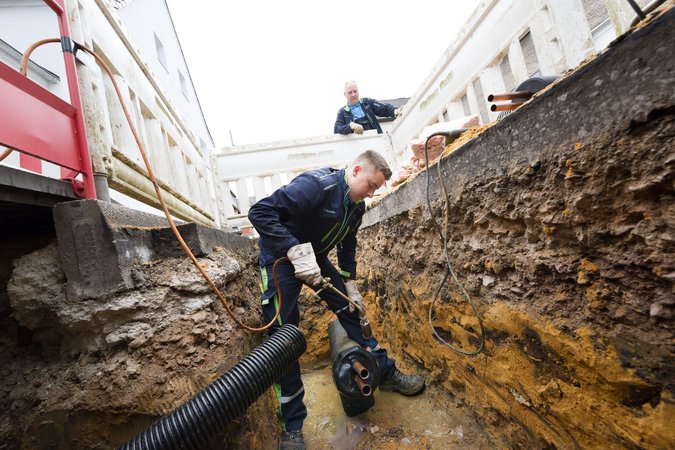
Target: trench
560 229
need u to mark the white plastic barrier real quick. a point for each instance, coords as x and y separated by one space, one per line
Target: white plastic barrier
252 172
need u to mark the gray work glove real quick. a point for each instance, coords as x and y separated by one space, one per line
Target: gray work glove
398 112
354 296
304 262
356 127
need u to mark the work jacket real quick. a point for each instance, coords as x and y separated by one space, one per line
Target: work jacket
371 108
315 208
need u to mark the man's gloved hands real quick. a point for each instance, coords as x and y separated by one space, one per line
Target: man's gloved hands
398 112
356 128
304 262
353 294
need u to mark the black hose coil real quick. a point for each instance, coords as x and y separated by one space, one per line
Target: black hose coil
194 424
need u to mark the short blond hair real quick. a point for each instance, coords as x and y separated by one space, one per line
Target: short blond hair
376 160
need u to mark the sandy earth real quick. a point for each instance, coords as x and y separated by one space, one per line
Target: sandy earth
570 262
428 421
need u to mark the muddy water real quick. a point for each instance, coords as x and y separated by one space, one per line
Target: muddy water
427 421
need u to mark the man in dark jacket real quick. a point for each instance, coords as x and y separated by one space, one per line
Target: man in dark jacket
304 220
361 114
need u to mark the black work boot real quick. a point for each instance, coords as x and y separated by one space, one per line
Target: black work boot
397 381
292 440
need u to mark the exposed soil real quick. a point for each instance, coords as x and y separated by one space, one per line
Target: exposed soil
65 389
570 261
157 345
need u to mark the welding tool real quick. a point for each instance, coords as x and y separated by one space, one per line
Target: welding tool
363 320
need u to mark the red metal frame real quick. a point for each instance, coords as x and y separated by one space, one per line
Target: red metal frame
39 124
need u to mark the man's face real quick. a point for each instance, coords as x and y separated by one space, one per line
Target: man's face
352 94
363 181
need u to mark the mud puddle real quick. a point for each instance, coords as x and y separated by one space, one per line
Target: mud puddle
427 421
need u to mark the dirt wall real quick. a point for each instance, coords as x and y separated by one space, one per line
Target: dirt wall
571 266
563 237
91 373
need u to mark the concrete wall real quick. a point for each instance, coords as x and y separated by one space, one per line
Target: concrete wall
173 74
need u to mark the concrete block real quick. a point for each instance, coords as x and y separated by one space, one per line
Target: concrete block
99 242
200 239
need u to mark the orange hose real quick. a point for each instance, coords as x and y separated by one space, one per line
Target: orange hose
26 55
6 153
151 175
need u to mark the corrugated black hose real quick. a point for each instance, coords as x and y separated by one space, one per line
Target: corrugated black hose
205 416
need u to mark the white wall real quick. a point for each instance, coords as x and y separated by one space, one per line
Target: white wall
142 32
254 171
561 36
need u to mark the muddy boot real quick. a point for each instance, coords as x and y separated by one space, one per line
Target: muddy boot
397 381
292 440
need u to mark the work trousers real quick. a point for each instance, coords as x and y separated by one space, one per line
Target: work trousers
289 388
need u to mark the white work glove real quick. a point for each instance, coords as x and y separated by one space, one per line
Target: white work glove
304 262
356 128
398 112
354 296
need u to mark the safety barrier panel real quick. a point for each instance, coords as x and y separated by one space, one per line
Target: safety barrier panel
41 126
180 159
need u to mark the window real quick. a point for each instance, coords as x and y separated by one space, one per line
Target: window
183 85
161 54
596 12
465 105
481 100
530 54
507 75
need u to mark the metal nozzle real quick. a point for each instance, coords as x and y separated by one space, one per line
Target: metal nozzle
360 370
365 325
366 331
366 390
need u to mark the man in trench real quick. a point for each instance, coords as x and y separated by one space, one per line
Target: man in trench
304 220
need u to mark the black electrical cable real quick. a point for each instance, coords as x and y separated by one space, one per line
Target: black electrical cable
450 136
